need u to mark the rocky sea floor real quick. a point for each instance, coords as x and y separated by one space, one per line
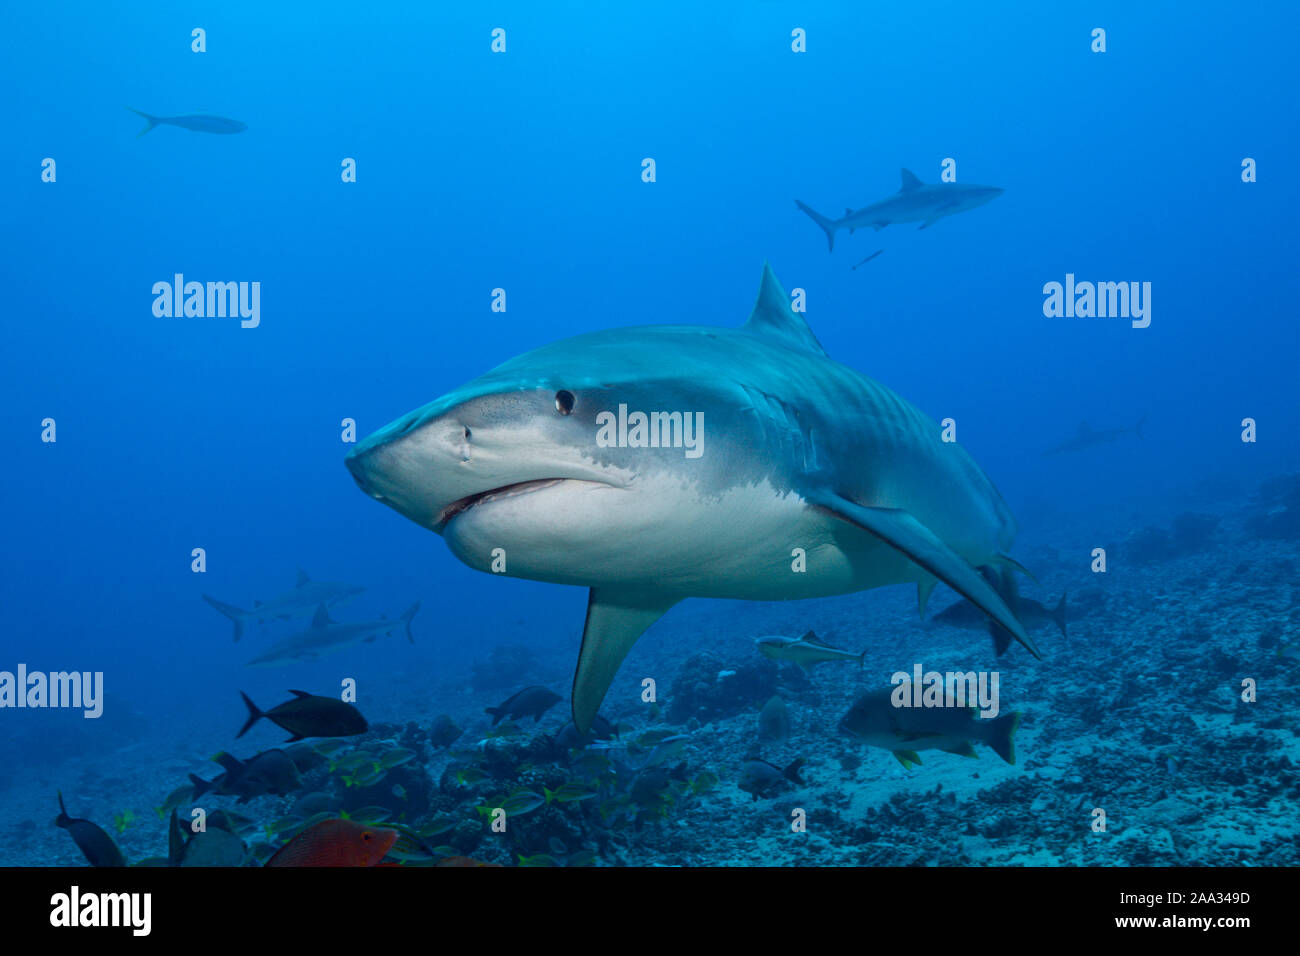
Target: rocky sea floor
1138 713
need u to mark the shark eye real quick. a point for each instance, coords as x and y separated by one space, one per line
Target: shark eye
564 402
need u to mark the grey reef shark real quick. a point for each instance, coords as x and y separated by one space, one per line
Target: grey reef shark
1088 437
806 461
925 203
195 123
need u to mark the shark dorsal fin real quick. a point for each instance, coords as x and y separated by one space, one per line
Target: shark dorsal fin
810 638
910 181
322 618
773 317
1085 428
302 578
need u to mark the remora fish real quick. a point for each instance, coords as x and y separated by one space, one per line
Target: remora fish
1031 613
196 122
800 449
807 651
1088 437
925 203
903 731
306 597
327 637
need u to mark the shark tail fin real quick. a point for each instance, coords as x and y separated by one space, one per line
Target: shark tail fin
1002 736
828 225
153 121
791 772
254 715
236 615
406 620
862 659
1137 429
201 786
496 712
1058 613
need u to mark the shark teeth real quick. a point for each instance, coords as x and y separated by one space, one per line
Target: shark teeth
506 491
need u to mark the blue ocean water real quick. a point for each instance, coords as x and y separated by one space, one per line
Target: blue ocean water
522 170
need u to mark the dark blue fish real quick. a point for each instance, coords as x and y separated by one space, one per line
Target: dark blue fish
196 122
97 846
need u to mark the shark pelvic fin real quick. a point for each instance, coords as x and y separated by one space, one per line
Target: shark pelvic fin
910 181
1011 562
773 317
901 530
615 619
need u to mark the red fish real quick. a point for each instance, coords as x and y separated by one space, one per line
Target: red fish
335 843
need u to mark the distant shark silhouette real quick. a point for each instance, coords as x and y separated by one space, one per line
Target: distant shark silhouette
925 203
1088 437
197 123
802 453
327 637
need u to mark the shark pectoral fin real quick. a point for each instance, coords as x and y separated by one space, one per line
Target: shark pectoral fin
900 530
615 619
924 588
926 224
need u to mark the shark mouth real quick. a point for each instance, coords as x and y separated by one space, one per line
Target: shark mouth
506 491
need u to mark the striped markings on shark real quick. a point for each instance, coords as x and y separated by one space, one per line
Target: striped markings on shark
916 201
805 454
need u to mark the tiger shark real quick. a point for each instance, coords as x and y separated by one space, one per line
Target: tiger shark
814 480
925 203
